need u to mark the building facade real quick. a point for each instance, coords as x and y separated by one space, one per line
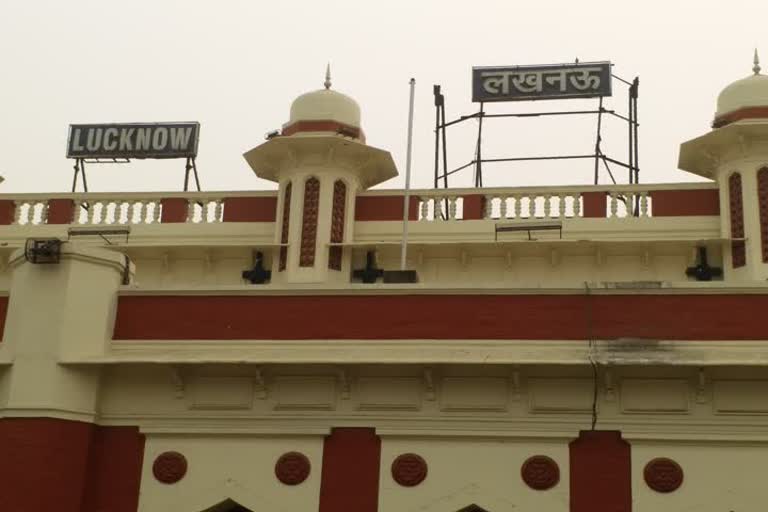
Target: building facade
576 348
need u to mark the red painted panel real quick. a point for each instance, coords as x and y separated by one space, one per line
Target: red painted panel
542 317
741 114
601 473
324 126
350 478
762 207
3 314
174 209
671 203
250 209
738 247
7 211
60 211
114 470
595 204
309 222
385 208
474 207
285 227
68 466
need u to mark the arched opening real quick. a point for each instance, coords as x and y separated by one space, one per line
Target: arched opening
472 508
228 506
309 222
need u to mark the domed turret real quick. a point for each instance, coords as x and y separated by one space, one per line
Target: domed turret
321 162
735 155
743 99
323 111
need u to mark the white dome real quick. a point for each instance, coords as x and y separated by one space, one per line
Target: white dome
325 105
747 92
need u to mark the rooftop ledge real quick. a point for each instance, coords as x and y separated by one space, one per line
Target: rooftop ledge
428 205
420 352
436 288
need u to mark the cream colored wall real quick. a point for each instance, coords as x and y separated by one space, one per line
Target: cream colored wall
717 477
4 385
55 311
474 425
462 472
238 467
755 269
670 403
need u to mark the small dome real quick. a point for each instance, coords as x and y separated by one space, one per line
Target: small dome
325 105
747 92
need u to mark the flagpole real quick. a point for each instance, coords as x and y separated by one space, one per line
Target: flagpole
406 200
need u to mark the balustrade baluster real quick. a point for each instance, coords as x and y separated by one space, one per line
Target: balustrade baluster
547 206
614 207
156 210
218 210
452 208
577 205
644 204
502 207
488 207
438 208
17 213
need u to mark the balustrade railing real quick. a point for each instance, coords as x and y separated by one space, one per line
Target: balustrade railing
554 203
611 202
122 209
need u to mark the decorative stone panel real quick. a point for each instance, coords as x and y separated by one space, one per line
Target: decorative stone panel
285 226
409 470
738 249
337 224
169 467
762 201
663 475
292 468
309 222
540 472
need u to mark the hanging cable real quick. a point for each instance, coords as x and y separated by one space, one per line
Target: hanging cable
590 344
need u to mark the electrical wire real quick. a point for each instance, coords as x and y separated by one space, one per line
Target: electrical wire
590 344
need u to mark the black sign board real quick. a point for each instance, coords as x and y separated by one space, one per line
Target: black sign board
133 140
554 81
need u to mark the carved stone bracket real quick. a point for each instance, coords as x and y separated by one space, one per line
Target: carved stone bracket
429 384
260 384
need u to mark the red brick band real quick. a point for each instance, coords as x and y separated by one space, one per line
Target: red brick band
438 317
739 115
324 126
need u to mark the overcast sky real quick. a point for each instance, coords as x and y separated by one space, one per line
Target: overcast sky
235 66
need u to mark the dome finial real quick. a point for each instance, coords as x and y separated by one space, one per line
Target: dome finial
327 82
756 67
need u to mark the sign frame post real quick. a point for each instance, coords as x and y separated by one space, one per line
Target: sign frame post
121 142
